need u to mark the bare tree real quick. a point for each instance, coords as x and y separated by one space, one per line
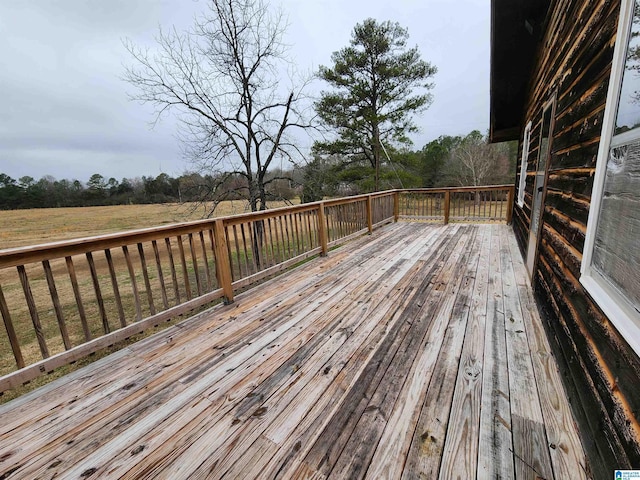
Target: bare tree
223 78
475 161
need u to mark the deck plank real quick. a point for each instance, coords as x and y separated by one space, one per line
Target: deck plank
357 453
495 445
425 453
565 448
530 444
460 451
389 358
285 406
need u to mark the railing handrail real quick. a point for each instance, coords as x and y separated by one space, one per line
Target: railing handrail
483 188
11 257
33 253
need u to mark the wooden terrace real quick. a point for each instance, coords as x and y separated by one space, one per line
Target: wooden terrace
413 352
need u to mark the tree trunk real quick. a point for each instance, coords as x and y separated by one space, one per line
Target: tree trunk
376 155
255 195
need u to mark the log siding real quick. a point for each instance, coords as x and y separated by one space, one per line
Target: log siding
600 371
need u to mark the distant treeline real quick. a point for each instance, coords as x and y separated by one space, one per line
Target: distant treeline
48 192
446 161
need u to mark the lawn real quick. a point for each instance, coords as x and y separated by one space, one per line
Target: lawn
43 225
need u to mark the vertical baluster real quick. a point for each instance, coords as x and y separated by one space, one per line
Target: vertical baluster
285 233
238 262
174 276
163 288
271 242
35 318
249 262
283 237
494 204
205 259
508 214
258 243
297 219
96 288
76 292
185 272
447 206
116 290
265 241
243 252
277 221
322 231
256 253
474 203
145 276
11 333
493 212
213 250
194 263
134 284
311 230
228 244
327 229
56 304
292 229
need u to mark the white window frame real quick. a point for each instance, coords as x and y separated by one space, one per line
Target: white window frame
523 164
618 309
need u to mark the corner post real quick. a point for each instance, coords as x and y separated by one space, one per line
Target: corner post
322 231
223 265
396 205
447 206
510 203
369 214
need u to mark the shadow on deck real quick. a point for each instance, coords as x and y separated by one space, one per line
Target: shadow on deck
415 353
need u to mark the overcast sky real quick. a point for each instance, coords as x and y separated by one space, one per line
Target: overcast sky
64 109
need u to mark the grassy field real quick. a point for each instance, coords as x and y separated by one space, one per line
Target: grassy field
30 227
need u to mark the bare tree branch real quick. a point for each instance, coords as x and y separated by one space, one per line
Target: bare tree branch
223 80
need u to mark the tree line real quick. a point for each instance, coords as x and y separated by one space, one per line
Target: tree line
448 161
49 192
445 161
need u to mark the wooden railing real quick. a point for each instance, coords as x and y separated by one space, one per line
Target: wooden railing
62 301
461 204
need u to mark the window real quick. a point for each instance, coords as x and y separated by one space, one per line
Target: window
523 164
611 260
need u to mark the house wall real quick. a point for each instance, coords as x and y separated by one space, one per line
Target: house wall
600 371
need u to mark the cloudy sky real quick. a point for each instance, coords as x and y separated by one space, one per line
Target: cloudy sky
64 109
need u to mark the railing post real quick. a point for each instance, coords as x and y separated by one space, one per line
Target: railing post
510 198
396 206
447 206
223 266
322 231
369 214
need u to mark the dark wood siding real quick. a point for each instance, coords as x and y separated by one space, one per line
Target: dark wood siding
601 372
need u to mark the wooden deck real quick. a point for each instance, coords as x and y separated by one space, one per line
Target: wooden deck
415 353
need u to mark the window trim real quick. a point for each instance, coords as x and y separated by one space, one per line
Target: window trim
526 141
616 307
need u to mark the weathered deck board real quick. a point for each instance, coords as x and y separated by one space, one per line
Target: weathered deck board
389 358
